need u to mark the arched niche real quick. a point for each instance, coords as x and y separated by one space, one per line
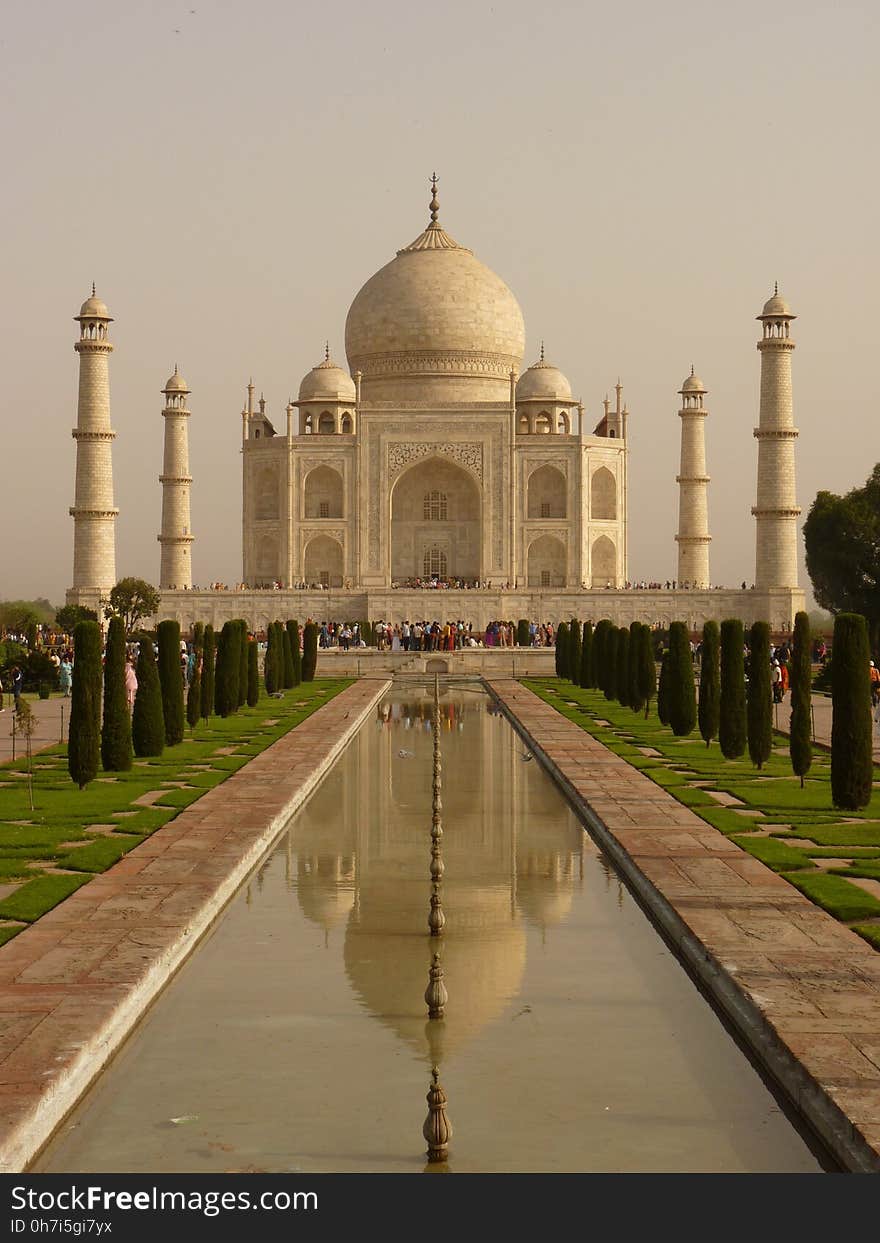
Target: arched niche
347 423
420 521
323 495
323 561
326 423
544 423
547 562
546 493
603 562
603 495
266 488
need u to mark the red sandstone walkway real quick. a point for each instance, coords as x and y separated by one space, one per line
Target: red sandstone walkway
802 988
73 985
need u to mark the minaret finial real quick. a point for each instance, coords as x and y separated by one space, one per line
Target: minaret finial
542 351
775 287
435 206
692 368
326 351
93 289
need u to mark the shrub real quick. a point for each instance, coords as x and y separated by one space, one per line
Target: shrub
147 722
171 681
586 676
800 746
852 767
647 669
681 693
732 718
759 697
253 674
574 650
84 733
116 751
562 650
709 708
523 638
296 649
310 652
208 659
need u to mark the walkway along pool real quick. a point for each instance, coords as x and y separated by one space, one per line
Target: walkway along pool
296 1036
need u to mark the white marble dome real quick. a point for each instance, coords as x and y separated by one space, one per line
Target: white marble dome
175 384
327 382
542 381
435 324
93 308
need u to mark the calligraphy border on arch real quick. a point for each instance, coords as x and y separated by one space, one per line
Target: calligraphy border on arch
468 454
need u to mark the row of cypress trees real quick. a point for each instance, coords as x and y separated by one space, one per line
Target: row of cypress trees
617 660
285 664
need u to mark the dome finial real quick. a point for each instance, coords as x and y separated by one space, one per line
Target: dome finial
776 287
326 351
542 350
435 206
93 289
692 368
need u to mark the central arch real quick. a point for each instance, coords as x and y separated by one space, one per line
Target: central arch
435 519
323 562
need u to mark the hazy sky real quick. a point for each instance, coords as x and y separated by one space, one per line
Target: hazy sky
230 174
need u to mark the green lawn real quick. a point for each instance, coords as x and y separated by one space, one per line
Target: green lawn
806 826
57 833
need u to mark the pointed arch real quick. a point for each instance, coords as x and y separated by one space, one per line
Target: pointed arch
603 495
547 562
546 493
603 563
323 493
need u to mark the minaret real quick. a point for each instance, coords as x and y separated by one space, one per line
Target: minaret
693 485
176 566
776 510
94 514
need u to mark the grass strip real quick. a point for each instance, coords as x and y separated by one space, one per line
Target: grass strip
38 896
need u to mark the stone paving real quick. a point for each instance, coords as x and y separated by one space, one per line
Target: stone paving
74 984
802 989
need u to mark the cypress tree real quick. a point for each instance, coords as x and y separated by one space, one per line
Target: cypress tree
709 711
647 668
209 654
586 678
732 719
220 670
600 654
562 650
610 687
226 678
310 652
147 722
116 752
759 698
253 674
84 730
663 689
623 666
523 638
574 650
296 649
800 746
852 767
270 664
171 680
242 662
194 693
634 698
287 651
681 695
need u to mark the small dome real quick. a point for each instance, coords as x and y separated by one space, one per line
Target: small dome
327 382
693 384
543 381
176 384
776 308
93 308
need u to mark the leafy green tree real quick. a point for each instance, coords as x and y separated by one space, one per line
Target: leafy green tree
681 693
574 650
586 675
116 751
147 722
634 696
209 656
709 708
562 650
253 678
842 540
852 764
647 668
623 666
310 652
132 599
663 689
84 731
296 650
732 732
759 697
523 638
69 614
800 746
171 681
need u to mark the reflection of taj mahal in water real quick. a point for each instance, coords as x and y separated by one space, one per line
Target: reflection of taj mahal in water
435 456
364 873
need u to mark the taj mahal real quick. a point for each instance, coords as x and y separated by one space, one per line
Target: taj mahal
435 458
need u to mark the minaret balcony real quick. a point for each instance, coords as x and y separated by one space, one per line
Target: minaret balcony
792 511
78 434
776 433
